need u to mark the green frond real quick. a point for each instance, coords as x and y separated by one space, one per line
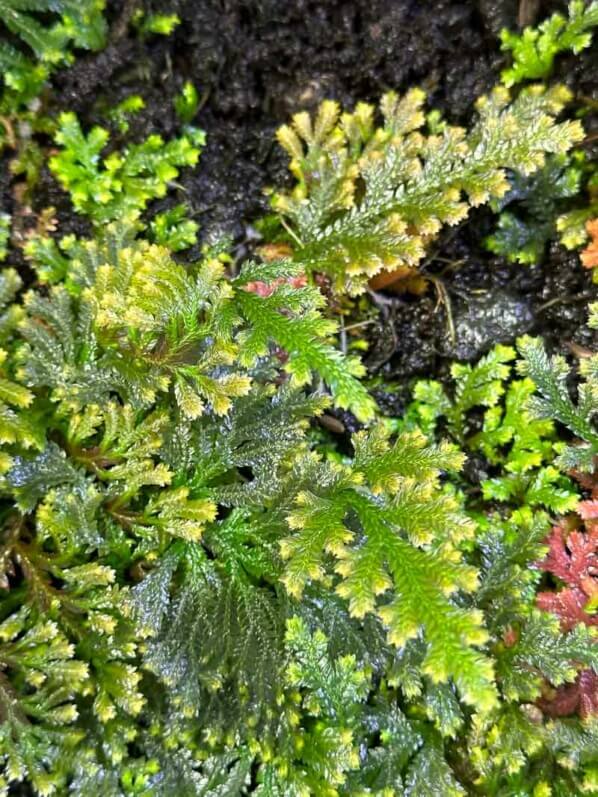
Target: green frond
39 678
232 629
534 206
413 183
173 229
4 234
48 30
319 749
119 185
535 49
507 548
376 542
17 426
546 652
550 375
518 446
304 338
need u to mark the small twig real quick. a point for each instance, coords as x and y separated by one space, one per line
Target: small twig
434 255
343 335
528 11
204 98
444 298
292 233
449 260
564 300
360 324
577 350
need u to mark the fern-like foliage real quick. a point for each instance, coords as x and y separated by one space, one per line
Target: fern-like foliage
151 326
533 207
552 400
153 440
573 224
47 29
4 235
158 539
370 198
193 599
520 449
318 745
121 184
16 425
534 50
401 540
173 511
536 205
543 668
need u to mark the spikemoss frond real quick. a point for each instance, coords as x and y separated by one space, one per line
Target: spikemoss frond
535 49
550 375
396 554
410 183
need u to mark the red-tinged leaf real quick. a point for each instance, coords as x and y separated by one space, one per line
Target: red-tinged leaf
588 510
573 559
589 481
572 556
569 606
265 289
580 697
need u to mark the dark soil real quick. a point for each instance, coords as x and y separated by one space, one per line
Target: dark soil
256 62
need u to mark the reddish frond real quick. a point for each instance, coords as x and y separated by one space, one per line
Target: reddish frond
571 556
588 510
568 605
580 697
573 559
265 289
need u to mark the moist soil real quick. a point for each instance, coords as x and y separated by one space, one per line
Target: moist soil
254 63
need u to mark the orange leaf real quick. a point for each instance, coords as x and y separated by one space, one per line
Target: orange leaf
589 256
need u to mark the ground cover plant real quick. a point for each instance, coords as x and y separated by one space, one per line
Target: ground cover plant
230 563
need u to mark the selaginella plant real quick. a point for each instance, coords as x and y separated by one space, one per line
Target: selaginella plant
530 210
573 561
127 366
519 450
194 599
369 198
552 399
122 183
537 206
48 30
164 519
534 50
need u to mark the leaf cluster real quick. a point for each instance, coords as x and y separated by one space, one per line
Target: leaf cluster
369 198
41 36
552 400
534 50
520 451
194 600
120 184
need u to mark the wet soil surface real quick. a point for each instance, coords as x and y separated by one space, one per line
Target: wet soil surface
255 62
